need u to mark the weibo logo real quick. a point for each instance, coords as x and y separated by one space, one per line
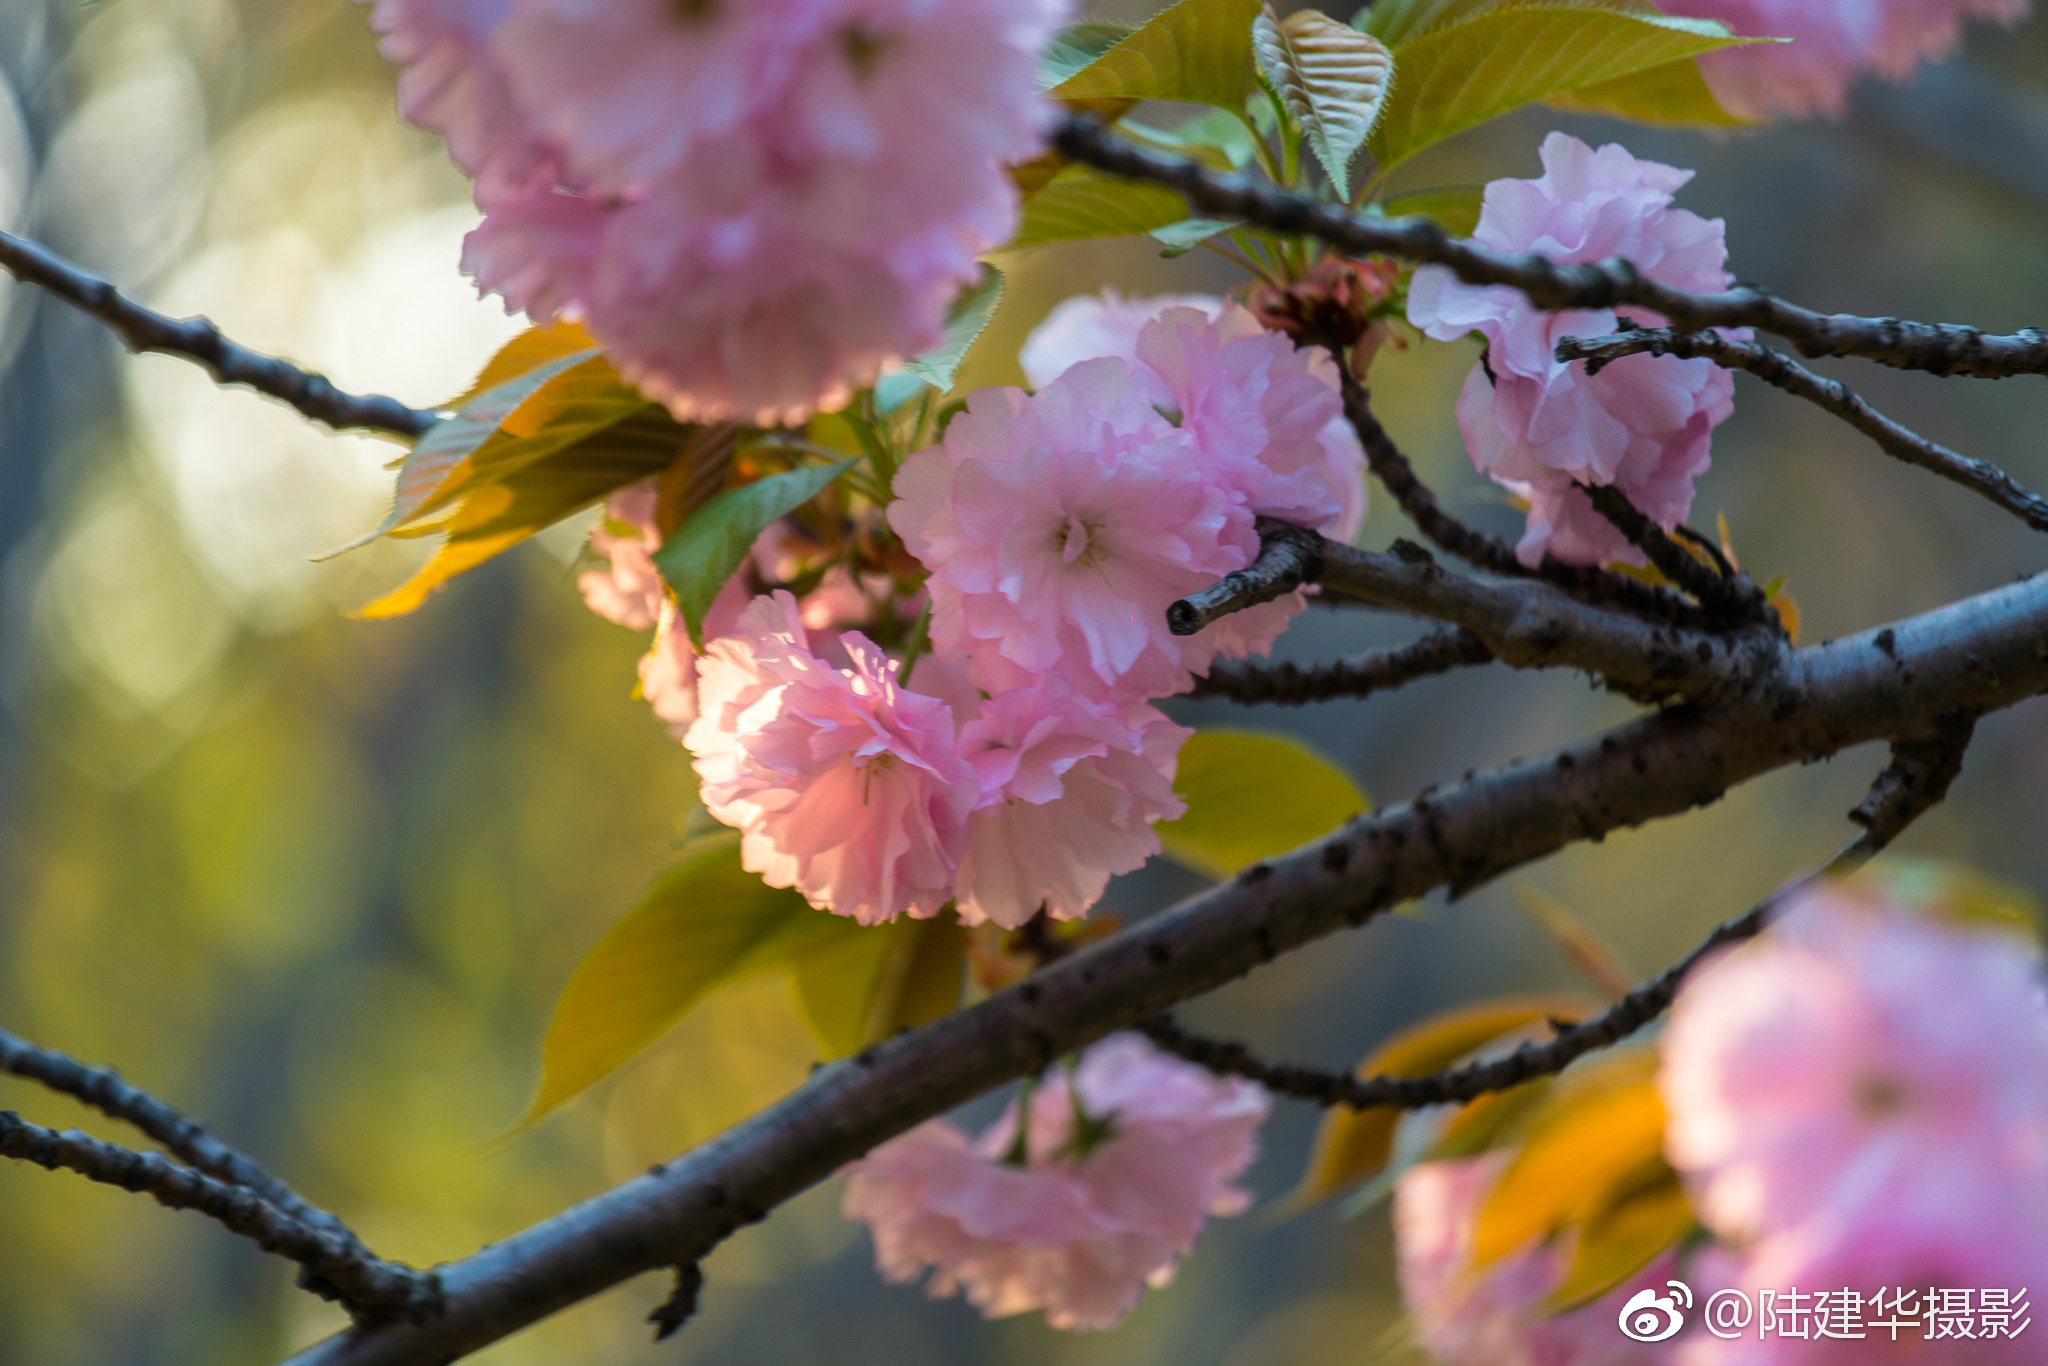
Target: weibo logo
1650 1317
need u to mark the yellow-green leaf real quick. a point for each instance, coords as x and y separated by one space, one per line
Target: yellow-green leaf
1600 1136
965 322
1251 796
1454 207
530 350
1081 202
1198 52
1672 95
1395 22
858 985
1332 79
498 513
1596 961
1456 75
1621 1239
705 921
1355 1145
1952 892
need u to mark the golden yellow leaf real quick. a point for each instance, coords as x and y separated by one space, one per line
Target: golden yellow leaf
1620 1239
1355 1145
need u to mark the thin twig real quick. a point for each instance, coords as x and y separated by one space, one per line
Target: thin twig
185 1138
1916 779
376 1289
199 341
1939 348
1775 367
1290 685
1735 597
1477 549
1289 556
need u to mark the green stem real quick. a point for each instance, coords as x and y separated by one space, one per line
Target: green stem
1019 1154
920 639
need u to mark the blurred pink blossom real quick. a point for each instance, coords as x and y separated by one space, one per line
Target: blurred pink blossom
1079 1236
1833 43
752 206
1496 1316
1059 527
1860 1097
1644 423
1070 792
844 785
1091 326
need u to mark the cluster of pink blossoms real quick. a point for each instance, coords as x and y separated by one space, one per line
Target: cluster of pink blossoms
1833 43
1076 1223
753 205
1858 1099
1022 764
1537 427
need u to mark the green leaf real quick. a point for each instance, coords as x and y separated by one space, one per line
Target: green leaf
1214 137
704 922
1394 22
702 553
1672 95
1332 78
965 323
1076 47
1082 203
1455 207
1197 52
858 985
1457 75
1183 237
1251 796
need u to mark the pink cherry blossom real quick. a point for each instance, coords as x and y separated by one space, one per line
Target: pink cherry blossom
626 588
752 206
1070 792
1833 42
1861 1097
1092 326
1267 415
1642 424
843 785
1497 1315
1060 526
1077 1235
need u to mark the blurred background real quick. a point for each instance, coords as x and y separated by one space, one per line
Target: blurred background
318 881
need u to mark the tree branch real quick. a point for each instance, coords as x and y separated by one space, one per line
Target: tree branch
1477 549
1916 780
184 1137
373 1288
1775 367
1289 556
1735 596
1972 657
1289 685
197 340
1524 623
1940 348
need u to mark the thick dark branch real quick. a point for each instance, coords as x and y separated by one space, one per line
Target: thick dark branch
1916 779
1735 597
1477 549
1775 367
1967 659
197 340
1289 556
1940 348
184 1137
375 1289
1290 685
